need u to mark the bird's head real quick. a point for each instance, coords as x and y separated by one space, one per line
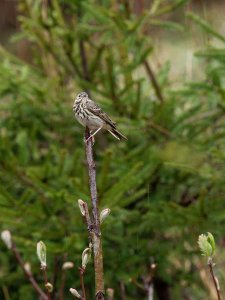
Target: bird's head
81 96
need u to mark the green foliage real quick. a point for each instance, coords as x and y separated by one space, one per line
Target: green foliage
164 186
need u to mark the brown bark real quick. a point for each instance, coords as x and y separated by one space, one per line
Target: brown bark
95 232
81 271
215 280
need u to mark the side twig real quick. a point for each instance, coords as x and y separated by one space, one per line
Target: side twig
28 274
81 271
63 279
46 282
215 280
95 231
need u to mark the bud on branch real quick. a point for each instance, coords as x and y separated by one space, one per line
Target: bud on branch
41 253
6 238
75 293
104 214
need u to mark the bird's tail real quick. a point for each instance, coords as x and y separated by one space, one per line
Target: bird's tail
117 134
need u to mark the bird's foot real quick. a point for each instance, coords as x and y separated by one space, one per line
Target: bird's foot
90 138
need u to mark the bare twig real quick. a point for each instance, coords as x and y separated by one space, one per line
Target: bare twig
62 285
55 276
92 181
215 280
81 271
95 231
154 82
63 279
46 282
28 273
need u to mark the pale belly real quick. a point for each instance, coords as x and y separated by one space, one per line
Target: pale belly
91 123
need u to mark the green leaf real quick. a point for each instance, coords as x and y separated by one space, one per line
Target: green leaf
211 240
206 244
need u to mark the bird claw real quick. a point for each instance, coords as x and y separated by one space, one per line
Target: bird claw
90 137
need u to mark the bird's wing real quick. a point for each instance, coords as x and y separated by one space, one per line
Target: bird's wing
96 110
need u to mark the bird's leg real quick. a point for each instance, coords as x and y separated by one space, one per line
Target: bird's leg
93 134
92 137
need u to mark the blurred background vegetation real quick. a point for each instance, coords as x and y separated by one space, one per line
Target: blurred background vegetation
157 67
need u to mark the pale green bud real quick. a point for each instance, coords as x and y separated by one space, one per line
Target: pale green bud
81 204
104 214
75 293
41 253
86 257
27 267
49 287
6 238
68 265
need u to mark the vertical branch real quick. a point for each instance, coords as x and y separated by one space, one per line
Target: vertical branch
92 181
154 82
95 230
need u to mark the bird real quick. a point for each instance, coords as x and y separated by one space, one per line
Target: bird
90 114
